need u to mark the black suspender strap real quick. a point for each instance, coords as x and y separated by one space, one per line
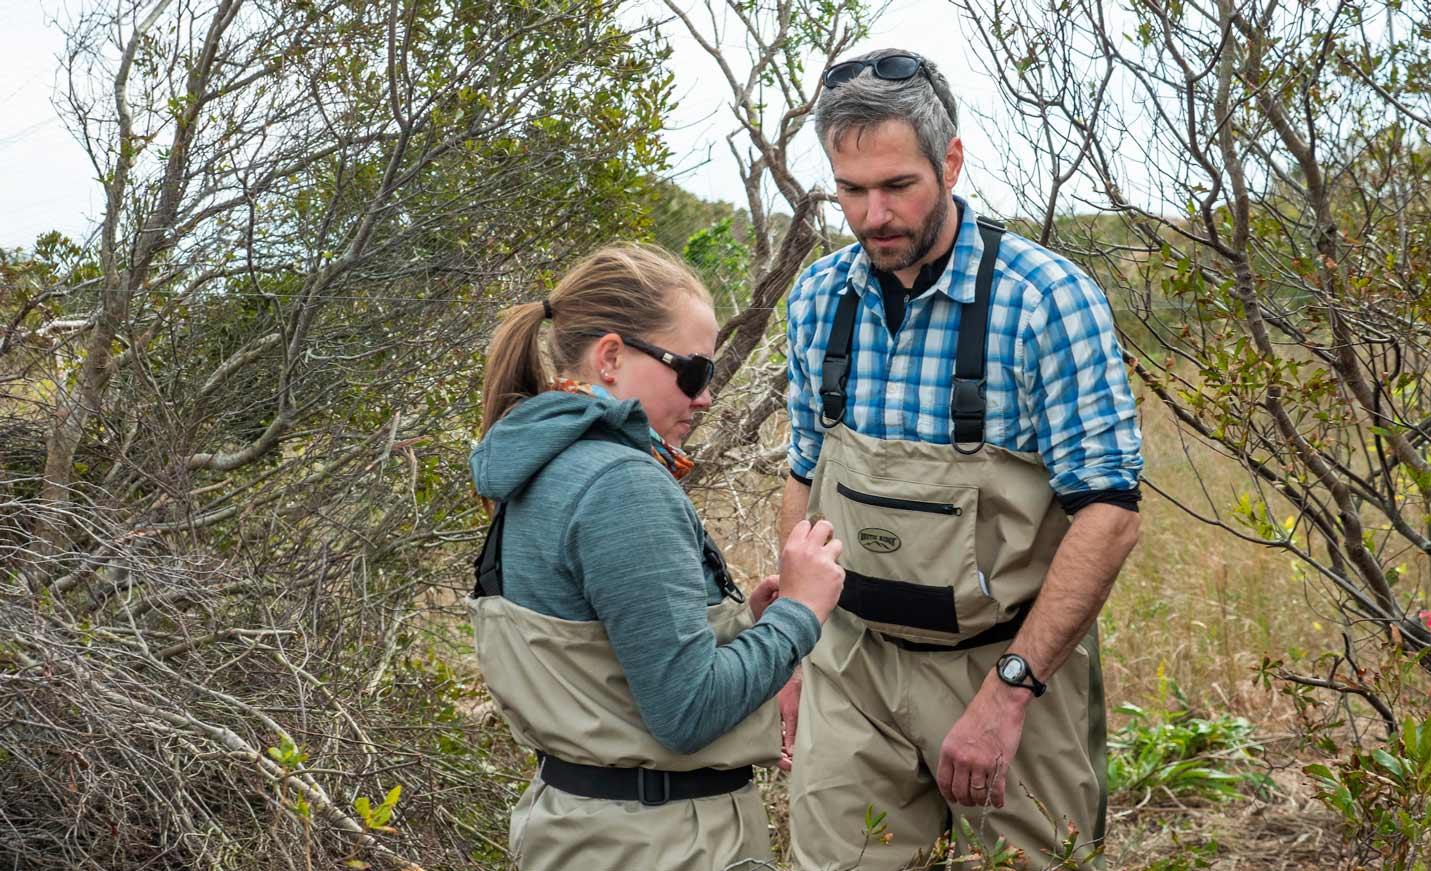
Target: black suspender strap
488 565
835 373
966 405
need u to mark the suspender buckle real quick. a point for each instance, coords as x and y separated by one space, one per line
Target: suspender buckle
832 407
653 788
968 401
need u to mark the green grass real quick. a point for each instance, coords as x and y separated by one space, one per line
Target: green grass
1184 756
1196 605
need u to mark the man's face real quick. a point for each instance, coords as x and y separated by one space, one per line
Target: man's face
893 200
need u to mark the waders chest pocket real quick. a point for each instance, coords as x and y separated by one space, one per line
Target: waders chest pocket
910 556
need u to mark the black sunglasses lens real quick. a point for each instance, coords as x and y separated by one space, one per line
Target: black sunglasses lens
897 67
695 375
841 73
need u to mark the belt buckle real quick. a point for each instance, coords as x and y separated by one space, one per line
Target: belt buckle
660 783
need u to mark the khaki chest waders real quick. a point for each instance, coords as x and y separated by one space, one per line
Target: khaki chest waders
607 795
946 548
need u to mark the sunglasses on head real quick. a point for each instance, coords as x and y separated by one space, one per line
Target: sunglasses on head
693 371
891 67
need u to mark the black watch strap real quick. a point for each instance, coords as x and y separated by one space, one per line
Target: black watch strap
1028 681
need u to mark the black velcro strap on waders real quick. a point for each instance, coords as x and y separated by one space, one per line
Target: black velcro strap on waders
488 565
900 603
650 786
966 404
1004 631
918 606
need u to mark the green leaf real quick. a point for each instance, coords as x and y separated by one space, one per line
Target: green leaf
1389 764
1320 771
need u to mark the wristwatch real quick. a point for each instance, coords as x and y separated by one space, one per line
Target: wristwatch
1013 670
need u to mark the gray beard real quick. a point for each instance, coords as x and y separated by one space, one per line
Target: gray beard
922 246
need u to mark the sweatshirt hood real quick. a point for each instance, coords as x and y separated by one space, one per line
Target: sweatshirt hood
536 430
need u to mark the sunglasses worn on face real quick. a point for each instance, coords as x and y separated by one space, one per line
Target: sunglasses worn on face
693 371
893 68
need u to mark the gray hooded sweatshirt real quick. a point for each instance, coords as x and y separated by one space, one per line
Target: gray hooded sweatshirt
597 529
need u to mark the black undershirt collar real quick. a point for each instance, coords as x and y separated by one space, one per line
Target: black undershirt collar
897 296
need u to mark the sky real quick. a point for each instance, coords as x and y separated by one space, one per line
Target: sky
45 180
47 183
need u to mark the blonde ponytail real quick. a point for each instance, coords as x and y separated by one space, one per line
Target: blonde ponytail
628 288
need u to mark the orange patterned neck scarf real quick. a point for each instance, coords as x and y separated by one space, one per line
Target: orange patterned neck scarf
668 455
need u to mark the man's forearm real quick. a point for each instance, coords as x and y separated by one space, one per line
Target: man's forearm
1078 583
793 505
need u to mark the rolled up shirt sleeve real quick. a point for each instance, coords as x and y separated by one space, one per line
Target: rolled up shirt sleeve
1077 391
803 396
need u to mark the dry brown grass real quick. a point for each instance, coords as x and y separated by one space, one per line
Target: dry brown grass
1196 603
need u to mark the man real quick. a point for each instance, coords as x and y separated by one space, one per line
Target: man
957 394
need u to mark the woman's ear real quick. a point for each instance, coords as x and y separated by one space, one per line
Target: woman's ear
607 354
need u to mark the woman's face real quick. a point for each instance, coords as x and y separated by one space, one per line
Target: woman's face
637 375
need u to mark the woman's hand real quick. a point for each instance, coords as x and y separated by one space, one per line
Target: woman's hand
765 592
809 569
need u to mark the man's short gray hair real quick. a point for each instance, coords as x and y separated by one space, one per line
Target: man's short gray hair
867 101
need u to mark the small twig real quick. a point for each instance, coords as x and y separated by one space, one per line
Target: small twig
1346 687
223 635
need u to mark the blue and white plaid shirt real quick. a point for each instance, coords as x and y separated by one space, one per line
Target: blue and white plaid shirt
1055 380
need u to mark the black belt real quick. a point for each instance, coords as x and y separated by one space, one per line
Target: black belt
652 787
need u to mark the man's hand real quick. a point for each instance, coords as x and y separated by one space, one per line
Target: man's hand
789 700
767 591
975 757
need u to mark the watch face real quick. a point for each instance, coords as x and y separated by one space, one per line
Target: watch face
1013 669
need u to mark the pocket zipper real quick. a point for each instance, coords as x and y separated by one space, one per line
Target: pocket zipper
902 504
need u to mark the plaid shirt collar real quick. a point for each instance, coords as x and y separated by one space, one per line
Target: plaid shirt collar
968 248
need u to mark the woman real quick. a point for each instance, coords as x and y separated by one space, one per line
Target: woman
608 630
